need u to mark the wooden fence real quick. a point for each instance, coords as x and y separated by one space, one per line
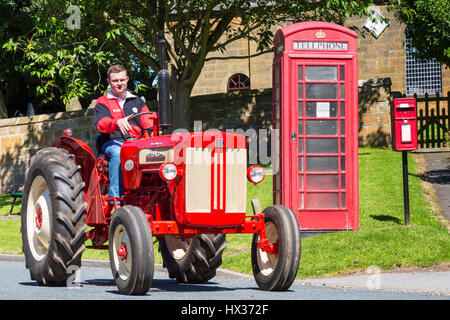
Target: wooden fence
433 120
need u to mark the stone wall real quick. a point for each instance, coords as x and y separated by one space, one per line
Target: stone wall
20 138
374 100
239 109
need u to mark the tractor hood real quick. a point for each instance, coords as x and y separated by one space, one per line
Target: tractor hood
147 155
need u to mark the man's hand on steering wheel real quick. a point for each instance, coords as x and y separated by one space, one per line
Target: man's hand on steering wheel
123 125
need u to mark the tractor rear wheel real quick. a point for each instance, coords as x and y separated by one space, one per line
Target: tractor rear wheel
276 270
53 217
193 260
131 252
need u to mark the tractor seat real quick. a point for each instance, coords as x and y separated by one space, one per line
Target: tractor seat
99 141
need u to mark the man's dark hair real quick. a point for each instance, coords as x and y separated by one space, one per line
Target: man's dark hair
116 69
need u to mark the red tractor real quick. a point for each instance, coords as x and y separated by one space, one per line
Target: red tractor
186 191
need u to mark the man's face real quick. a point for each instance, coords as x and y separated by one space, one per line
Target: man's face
118 82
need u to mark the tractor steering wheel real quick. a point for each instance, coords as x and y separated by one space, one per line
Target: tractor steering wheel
140 114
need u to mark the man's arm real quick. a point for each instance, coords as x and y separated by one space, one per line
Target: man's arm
103 120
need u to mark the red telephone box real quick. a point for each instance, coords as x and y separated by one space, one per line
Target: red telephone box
315 109
404 124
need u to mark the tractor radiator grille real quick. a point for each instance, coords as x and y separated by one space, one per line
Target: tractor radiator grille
216 180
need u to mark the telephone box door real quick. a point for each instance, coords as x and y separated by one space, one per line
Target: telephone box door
319 149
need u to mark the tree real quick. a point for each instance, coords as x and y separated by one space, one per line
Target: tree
196 28
14 21
60 53
427 25
123 30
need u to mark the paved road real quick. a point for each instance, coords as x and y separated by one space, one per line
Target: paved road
438 174
96 283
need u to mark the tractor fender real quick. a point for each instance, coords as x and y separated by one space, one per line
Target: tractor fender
85 158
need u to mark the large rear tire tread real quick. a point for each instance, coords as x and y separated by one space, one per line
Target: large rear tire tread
202 259
67 216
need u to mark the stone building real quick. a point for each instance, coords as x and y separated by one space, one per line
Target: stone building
382 57
385 69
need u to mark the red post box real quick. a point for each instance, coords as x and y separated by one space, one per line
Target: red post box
315 112
404 124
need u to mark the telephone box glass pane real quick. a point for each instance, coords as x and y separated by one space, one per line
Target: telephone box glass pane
342 105
300 145
300 164
321 127
322 200
343 201
324 164
300 182
301 201
342 145
342 164
321 73
342 91
343 182
300 109
300 73
300 127
343 127
321 109
300 91
322 182
321 91
342 73
321 145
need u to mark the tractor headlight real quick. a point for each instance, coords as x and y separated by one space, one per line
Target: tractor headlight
168 171
255 174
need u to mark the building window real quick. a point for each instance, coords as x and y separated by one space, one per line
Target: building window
238 81
421 76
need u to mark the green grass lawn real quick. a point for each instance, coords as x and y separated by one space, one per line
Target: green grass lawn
382 239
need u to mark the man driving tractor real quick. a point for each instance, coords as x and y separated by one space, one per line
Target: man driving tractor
111 115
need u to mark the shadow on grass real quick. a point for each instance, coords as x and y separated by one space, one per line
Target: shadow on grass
385 218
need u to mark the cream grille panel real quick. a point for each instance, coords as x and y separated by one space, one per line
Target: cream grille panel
236 172
198 180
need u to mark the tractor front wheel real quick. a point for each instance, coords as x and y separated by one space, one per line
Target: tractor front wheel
193 260
53 217
131 252
275 269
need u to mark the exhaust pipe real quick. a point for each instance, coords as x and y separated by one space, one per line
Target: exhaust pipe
163 88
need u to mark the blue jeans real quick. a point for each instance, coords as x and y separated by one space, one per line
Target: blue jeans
111 150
